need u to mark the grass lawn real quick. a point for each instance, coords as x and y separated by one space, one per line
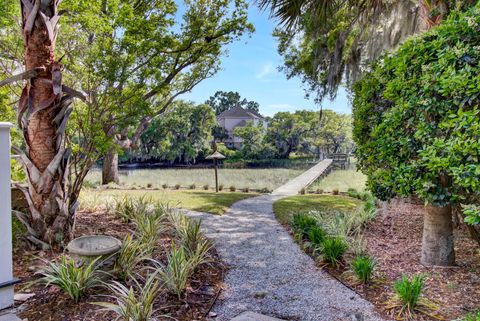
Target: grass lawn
286 207
197 200
270 178
341 180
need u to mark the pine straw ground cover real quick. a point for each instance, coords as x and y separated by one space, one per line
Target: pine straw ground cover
394 239
50 303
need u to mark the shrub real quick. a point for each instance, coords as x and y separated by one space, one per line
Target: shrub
335 191
164 186
409 291
177 271
130 255
246 189
74 281
206 187
363 267
333 249
265 190
302 223
133 303
149 185
316 236
303 191
233 188
319 191
177 186
352 192
192 186
220 187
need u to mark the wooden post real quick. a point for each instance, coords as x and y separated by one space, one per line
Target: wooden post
6 267
216 175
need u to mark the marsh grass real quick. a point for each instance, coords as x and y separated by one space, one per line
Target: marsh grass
270 178
341 181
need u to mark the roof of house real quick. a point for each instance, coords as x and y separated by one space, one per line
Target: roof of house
238 111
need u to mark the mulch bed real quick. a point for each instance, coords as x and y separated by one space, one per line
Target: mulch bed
53 305
394 239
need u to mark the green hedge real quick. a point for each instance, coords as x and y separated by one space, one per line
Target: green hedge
416 115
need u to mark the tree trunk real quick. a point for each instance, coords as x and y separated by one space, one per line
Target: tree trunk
110 168
437 243
43 113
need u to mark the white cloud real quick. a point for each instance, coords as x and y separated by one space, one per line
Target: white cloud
267 69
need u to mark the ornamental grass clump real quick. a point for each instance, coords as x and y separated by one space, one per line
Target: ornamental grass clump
409 298
316 236
206 187
127 208
192 186
233 188
148 228
363 266
133 303
72 279
176 272
302 223
131 254
333 249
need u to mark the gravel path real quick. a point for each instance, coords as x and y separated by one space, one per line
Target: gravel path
269 273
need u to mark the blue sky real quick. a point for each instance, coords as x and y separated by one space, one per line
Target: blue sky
251 69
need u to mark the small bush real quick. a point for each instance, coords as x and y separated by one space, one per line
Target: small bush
127 208
177 271
130 255
302 224
303 191
335 191
164 186
232 188
220 187
195 244
409 292
265 190
74 281
133 303
149 185
319 191
177 186
352 192
333 249
192 186
206 187
363 267
246 190
316 236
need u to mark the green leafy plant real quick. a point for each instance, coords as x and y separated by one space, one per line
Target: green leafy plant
408 292
472 316
134 303
333 249
352 192
316 236
302 223
73 280
131 254
472 214
177 271
149 227
127 208
363 266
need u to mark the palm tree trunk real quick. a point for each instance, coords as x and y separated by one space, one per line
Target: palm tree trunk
43 112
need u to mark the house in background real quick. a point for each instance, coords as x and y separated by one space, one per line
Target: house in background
237 117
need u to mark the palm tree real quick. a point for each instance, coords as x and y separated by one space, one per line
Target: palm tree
43 111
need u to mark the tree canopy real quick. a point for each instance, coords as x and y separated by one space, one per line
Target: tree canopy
223 100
